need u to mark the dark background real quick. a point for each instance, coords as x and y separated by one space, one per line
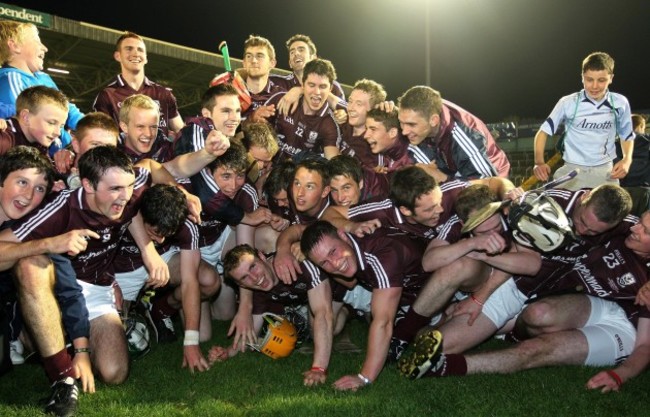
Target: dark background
497 58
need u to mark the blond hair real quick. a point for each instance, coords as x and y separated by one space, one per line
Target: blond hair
16 31
138 101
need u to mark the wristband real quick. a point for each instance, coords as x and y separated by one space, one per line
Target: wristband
615 377
191 338
319 369
476 300
365 380
82 350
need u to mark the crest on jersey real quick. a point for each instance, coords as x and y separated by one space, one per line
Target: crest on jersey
626 279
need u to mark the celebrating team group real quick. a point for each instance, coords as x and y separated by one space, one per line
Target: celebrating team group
283 196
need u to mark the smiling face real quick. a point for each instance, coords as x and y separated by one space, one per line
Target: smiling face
299 55
229 181
316 89
358 107
226 114
427 210
132 55
335 256
254 273
415 126
44 126
345 191
141 130
639 238
113 192
30 51
22 191
378 137
596 83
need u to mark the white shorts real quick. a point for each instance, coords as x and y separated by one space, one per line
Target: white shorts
212 254
610 335
132 282
100 299
505 303
588 176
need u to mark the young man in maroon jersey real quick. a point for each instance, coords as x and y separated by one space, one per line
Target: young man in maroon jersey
310 128
382 134
131 53
302 50
249 268
386 262
100 212
602 326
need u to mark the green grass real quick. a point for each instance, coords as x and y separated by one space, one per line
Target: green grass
254 385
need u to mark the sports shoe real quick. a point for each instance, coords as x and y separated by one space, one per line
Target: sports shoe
165 332
16 350
396 349
63 401
426 355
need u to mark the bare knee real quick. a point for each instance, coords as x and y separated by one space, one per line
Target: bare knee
537 315
209 280
113 372
34 273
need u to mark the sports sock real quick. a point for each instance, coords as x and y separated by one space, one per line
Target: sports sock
408 327
448 365
58 366
161 308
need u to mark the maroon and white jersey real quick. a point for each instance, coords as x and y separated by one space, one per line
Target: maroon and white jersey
375 185
13 136
396 156
221 211
300 132
296 217
162 150
610 271
129 257
260 99
389 259
360 147
288 295
287 82
389 215
68 210
569 200
110 99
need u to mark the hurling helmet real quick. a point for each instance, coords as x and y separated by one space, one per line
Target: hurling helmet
280 338
538 221
137 335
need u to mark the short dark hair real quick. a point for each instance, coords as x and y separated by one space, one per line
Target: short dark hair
609 202
164 207
96 120
25 157
94 163
321 67
280 178
209 98
126 35
313 164
422 99
598 61
234 158
408 184
302 38
233 257
314 233
34 97
388 119
347 166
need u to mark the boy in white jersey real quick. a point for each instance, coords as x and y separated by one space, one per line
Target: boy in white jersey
593 118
